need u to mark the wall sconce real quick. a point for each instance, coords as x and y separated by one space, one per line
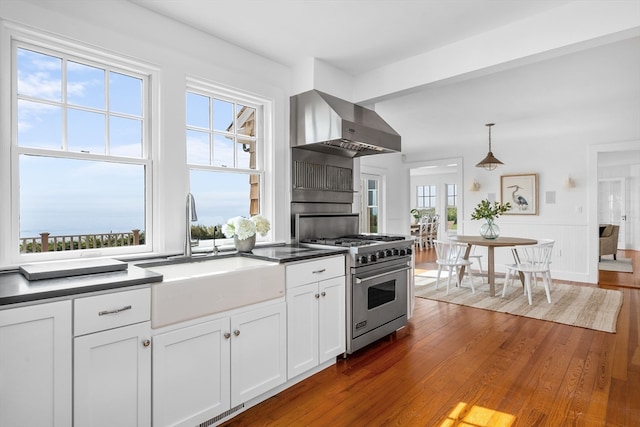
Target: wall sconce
475 185
570 182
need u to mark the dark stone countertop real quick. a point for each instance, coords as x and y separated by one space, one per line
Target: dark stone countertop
15 288
291 253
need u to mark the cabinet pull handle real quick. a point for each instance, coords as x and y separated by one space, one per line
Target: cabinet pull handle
317 295
236 332
322 270
227 335
324 294
117 310
377 276
146 343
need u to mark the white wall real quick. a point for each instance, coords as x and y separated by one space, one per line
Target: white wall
568 221
177 51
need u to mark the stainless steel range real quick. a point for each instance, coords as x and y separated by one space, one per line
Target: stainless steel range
379 269
327 133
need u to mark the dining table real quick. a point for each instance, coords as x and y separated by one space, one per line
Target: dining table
491 244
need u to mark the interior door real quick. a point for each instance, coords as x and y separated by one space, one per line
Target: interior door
612 206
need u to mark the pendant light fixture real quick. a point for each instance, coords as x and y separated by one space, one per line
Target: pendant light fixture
489 162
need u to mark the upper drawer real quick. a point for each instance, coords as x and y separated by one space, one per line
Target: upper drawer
107 311
313 271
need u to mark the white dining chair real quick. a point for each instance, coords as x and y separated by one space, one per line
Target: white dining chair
450 255
432 230
477 258
420 234
533 262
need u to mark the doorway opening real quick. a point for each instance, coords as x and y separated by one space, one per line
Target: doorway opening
434 189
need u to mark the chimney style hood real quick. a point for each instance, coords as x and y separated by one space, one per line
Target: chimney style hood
325 123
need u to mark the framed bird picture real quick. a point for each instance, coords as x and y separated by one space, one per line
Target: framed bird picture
521 191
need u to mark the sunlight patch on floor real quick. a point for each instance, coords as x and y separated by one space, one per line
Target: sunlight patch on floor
477 416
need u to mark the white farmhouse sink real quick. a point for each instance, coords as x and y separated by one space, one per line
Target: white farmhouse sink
194 289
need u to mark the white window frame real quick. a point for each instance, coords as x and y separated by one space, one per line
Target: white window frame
264 147
13 36
431 197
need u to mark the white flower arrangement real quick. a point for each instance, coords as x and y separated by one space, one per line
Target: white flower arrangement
244 228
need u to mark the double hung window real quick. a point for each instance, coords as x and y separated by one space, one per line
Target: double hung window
80 147
225 148
426 196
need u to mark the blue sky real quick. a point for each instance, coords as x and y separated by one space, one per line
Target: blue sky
104 109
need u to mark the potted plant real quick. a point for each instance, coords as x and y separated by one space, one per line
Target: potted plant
489 212
415 213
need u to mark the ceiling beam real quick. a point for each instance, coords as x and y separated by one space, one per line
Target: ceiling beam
566 29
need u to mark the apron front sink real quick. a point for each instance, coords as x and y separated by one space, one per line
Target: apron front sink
198 288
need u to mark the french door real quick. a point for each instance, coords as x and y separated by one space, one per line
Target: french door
370 208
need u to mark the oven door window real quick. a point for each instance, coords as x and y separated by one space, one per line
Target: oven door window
381 294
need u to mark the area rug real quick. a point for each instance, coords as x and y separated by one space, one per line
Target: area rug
621 265
584 306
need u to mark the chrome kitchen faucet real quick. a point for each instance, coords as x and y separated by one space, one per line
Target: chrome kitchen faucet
191 217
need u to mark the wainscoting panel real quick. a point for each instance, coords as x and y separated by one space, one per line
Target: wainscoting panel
570 254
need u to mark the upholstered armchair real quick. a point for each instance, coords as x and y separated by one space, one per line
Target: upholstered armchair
609 240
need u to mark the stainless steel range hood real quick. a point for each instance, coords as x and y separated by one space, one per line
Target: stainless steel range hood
325 123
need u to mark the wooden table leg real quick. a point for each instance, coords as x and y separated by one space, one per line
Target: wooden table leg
491 272
465 257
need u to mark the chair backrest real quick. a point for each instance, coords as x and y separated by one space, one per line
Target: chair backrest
433 226
450 252
422 222
615 232
536 255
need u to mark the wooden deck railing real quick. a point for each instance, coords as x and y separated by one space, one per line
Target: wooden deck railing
47 243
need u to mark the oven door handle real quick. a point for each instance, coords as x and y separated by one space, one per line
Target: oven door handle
397 270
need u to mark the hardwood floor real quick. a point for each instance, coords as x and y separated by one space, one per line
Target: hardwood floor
455 363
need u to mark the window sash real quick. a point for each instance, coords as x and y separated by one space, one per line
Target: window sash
236 98
110 64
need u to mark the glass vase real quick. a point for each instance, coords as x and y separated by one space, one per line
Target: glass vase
490 230
244 245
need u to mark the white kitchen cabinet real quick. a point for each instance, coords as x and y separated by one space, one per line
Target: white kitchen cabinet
35 365
331 318
112 362
258 352
201 371
315 313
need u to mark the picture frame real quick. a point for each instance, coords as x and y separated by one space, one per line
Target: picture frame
521 191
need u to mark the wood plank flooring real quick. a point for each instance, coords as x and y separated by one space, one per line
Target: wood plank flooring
455 365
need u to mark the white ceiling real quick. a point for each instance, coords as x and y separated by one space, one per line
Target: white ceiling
596 90
352 35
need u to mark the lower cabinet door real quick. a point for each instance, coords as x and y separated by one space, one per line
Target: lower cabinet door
302 329
35 365
332 331
191 377
112 378
258 352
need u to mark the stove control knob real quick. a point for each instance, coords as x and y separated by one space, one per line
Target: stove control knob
402 252
373 257
363 259
409 251
396 252
381 254
389 252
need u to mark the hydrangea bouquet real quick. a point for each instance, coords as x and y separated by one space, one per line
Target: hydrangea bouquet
244 228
